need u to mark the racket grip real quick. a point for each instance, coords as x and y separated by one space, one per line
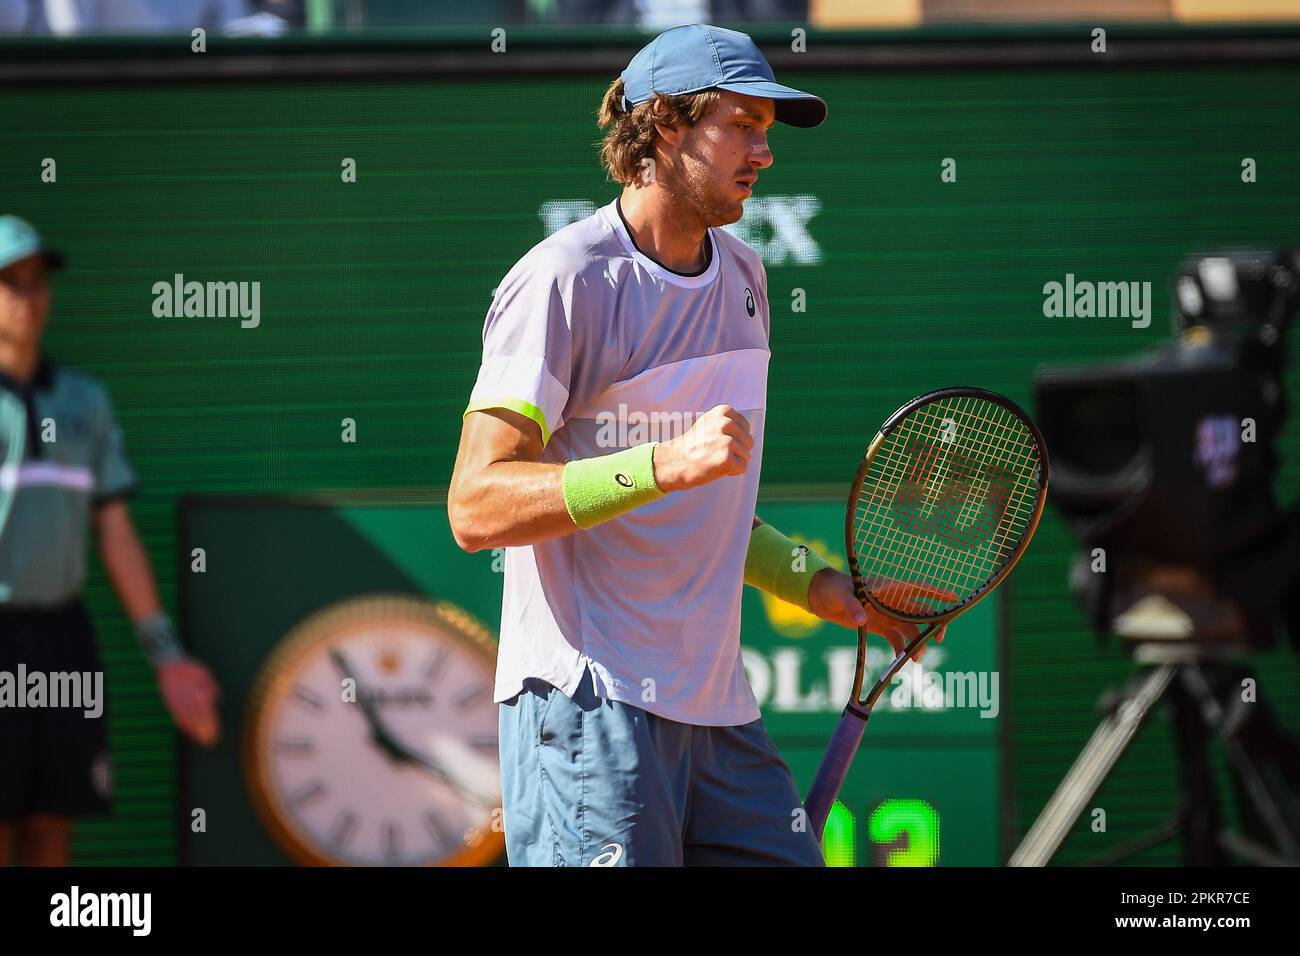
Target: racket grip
834 768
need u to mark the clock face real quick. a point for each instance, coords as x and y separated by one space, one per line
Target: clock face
372 737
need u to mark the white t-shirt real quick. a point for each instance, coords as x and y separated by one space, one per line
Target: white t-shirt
606 349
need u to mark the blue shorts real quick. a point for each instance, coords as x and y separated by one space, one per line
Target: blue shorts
593 782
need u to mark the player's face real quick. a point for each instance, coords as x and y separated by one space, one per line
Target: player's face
720 157
24 301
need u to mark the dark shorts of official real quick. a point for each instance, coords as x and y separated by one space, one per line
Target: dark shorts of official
53 760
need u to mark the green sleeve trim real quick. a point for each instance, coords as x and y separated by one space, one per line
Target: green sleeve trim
769 566
604 487
527 409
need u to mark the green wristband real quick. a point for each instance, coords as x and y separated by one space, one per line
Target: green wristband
769 565
604 487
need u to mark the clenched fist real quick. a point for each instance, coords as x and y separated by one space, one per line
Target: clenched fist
717 445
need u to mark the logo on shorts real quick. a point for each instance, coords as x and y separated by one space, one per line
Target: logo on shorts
609 855
749 302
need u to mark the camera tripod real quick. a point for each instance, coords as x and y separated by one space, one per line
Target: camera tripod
1203 691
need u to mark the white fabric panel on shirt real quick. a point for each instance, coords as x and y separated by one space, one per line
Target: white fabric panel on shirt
737 378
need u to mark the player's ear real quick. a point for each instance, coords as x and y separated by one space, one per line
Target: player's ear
670 134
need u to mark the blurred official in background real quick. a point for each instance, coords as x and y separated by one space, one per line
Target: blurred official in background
63 469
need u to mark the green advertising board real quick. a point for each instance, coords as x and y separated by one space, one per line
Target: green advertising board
925 789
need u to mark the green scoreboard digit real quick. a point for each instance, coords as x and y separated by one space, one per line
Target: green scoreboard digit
925 788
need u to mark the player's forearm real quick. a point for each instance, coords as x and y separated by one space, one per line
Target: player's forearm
501 496
127 564
519 503
508 504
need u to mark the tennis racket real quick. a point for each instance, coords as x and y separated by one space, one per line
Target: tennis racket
942 507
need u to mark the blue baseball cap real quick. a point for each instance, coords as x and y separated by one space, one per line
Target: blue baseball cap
19 239
701 57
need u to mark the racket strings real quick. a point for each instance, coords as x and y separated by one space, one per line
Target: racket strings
946 500
932 551
892 460
997 447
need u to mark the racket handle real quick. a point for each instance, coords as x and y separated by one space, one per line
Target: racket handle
834 768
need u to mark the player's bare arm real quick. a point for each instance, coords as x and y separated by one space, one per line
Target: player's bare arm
501 495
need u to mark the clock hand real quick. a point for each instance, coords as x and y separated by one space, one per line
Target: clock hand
394 748
437 769
379 733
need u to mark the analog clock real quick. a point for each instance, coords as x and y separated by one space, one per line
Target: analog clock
371 737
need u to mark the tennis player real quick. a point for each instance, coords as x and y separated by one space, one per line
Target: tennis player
63 470
612 445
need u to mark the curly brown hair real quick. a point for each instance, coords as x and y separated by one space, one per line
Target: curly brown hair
631 134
